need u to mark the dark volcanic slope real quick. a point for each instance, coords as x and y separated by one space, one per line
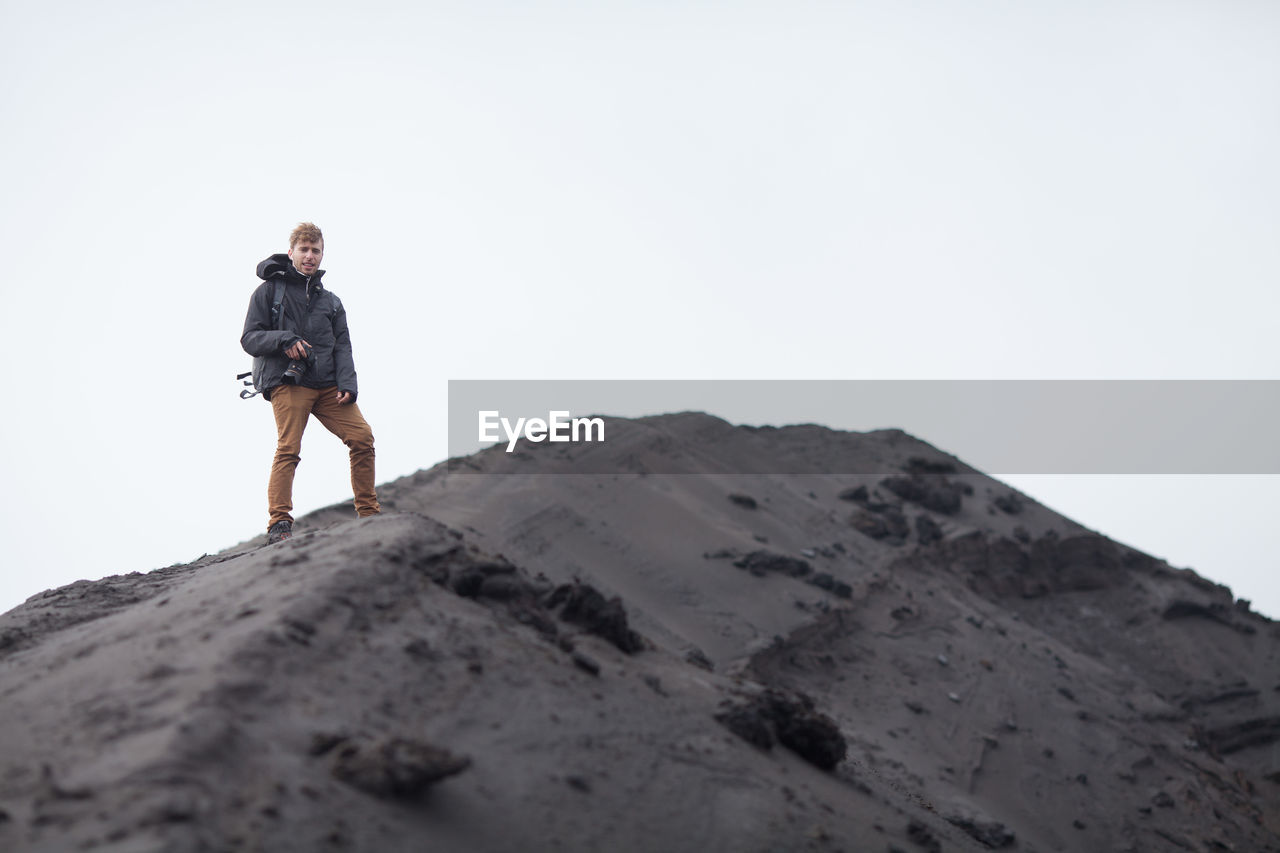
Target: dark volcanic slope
938 663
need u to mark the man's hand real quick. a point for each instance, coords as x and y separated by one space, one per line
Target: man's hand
298 350
345 398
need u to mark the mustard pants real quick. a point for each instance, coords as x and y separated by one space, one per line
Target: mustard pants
293 405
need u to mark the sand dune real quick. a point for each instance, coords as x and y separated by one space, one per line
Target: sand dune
638 646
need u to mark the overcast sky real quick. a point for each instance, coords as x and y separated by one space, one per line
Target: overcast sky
799 190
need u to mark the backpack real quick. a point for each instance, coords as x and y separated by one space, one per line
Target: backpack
259 362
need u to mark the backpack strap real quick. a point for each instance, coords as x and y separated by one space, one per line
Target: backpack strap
277 315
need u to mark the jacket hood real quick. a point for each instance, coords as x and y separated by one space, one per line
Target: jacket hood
280 264
273 266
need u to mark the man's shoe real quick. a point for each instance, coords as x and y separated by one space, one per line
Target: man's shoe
279 532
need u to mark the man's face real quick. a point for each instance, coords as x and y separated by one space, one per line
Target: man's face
306 256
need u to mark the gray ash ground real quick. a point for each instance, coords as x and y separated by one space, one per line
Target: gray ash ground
913 657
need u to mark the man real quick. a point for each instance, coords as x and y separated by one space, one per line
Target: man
303 366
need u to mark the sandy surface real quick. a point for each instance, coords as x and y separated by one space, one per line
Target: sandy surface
666 654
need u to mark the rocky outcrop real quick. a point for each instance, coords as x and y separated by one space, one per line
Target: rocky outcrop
789 720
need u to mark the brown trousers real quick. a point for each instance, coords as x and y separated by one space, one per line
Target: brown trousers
293 405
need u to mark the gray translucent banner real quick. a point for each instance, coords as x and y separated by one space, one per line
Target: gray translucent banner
997 426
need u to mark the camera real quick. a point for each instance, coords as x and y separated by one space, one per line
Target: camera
298 367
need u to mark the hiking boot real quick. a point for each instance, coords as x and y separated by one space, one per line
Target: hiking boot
279 532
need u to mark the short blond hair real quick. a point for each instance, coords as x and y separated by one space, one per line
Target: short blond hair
308 231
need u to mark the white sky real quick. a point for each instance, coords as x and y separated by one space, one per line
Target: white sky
615 190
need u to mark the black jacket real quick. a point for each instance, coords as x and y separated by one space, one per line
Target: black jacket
310 313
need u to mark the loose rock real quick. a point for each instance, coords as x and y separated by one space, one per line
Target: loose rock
793 722
760 563
396 767
583 605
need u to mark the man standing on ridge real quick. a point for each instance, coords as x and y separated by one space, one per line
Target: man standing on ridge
297 332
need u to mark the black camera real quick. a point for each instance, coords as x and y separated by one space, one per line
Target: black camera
298 366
